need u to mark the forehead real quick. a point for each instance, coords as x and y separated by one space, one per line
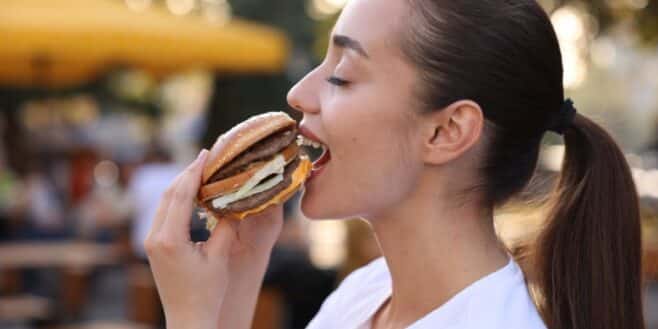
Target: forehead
375 24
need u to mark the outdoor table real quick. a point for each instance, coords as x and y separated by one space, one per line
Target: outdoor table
74 259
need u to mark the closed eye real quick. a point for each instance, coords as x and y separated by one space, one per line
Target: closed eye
337 81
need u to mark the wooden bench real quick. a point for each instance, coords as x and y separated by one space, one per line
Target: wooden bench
144 304
74 259
21 308
104 325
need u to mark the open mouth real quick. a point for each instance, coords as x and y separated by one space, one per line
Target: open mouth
318 152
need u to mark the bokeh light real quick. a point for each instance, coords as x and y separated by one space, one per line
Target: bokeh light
327 238
551 157
217 11
321 9
181 7
139 5
603 52
106 173
571 31
638 4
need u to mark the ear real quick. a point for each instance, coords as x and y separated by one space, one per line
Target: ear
450 132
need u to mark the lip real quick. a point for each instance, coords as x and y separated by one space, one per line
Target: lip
304 131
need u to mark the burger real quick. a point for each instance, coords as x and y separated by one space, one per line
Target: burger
256 164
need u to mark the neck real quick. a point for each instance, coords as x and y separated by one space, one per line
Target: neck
433 251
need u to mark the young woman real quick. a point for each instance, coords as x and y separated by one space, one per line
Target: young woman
433 113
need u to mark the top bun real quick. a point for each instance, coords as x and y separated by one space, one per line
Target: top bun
242 136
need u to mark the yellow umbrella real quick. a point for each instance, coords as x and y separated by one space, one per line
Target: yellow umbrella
62 42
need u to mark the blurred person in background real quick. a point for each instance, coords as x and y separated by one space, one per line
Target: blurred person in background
105 210
145 189
43 211
40 214
432 121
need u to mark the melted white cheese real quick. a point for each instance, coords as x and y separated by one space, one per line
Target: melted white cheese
252 186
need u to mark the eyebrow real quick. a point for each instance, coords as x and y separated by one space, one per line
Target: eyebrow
344 41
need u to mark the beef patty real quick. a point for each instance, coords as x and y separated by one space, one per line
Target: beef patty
259 198
261 150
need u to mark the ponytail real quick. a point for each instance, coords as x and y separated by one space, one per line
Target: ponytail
585 266
588 257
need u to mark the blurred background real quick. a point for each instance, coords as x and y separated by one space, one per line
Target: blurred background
103 101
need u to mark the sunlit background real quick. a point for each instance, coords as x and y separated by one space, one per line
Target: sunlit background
103 101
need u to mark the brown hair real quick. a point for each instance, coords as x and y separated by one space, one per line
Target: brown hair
504 55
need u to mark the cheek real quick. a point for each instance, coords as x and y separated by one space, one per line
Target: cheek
370 128
374 161
384 170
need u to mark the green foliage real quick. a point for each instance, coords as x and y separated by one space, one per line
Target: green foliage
322 31
288 15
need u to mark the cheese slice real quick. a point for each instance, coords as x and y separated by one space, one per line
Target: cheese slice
254 184
223 201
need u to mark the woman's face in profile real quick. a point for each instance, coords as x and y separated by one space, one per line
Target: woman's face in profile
359 102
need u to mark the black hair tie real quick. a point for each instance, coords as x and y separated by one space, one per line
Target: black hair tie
562 119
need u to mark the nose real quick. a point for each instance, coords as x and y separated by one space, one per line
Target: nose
304 95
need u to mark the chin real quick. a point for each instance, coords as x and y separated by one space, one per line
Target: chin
318 209
314 209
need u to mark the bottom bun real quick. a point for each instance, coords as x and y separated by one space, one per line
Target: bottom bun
298 177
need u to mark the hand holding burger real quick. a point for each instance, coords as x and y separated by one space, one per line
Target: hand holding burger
240 184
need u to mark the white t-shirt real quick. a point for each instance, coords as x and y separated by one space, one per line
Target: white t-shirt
498 300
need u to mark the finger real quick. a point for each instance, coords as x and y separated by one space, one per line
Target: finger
177 224
222 237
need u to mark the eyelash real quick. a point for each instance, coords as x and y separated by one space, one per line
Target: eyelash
337 81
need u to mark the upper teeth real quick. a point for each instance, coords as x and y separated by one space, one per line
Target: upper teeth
301 140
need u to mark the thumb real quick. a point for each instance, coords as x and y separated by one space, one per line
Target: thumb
222 237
